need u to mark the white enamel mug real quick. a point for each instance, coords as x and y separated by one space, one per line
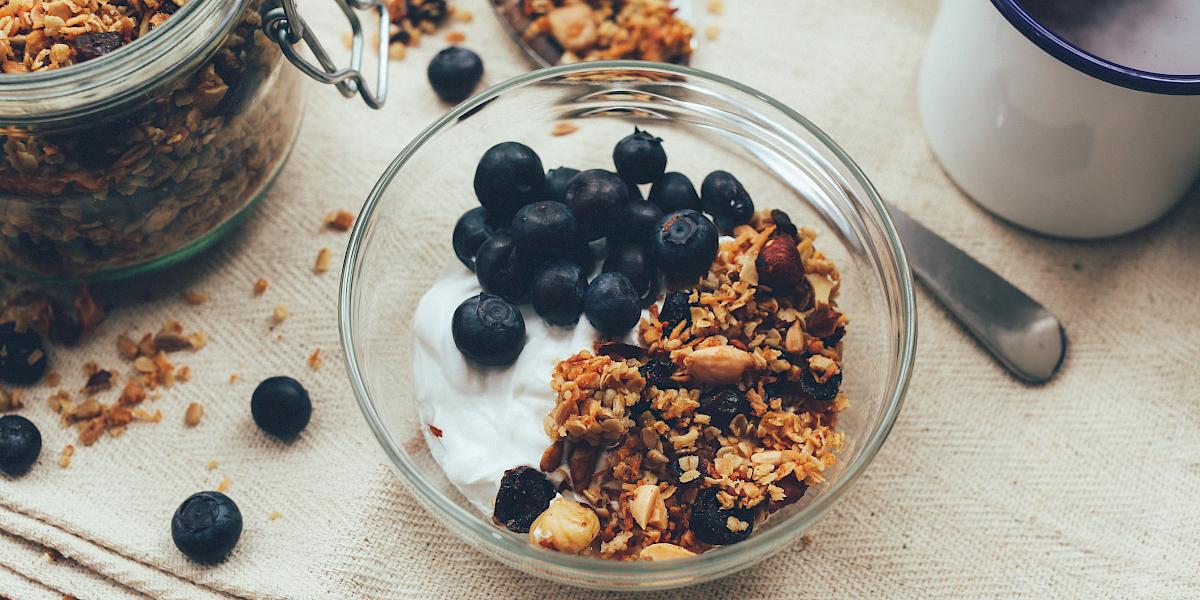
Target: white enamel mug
1048 136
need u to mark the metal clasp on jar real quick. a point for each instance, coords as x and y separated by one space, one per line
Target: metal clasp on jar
284 24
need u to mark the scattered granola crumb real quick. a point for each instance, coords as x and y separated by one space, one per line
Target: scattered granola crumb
562 128
91 430
341 220
212 464
463 16
194 297
397 51
437 432
322 263
260 286
90 313
10 400
715 7
195 411
456 37
712 32
53 379
224 485
133 394
233 377
314 359
185 373
274 515
64 459
806 540
280 314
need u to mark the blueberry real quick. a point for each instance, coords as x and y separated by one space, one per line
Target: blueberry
611 304
508 177
640 157
597 197
676 307
206 527
684 244
633 261
524 494
22 357
820 392
674 191
710 520
637 222
783 223
556 183
454 73
488 330
20 444
722 405
471 230
726 200
281 407
544 230
558 290
501 269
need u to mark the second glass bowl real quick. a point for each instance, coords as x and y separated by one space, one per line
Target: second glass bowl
402 240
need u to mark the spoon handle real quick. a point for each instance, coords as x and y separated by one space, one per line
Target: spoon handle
1015 328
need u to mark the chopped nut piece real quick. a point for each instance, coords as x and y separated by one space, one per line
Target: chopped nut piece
194 297
715 7
212 464
91 430
274 515
647 507
260 286
64 458
563 128
144 364
321 265
10 400
712 32
224 485
194 413
233 377
53 379
185 373
280 314
341 220
314 359
665 552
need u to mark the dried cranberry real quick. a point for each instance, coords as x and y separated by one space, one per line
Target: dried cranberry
710 520
820 392
676 308
657 371
94 45
722 405
524 494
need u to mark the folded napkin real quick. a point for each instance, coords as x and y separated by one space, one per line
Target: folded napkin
1085 487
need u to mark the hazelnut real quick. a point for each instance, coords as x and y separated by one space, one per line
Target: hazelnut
718 364
665 552
566 526
573 27
779 263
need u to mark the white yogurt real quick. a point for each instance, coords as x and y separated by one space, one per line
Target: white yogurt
491 417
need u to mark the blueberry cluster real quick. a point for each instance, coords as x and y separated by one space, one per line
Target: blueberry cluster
537 237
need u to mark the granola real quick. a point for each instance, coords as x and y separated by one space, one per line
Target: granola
651 437
610 30
150 177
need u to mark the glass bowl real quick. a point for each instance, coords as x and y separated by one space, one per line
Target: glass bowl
402 240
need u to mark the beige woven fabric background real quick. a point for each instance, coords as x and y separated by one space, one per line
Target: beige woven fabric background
1087 487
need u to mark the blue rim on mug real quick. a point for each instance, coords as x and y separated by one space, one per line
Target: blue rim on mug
1090 64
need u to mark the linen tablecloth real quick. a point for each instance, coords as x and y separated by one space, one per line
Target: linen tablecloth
1086 487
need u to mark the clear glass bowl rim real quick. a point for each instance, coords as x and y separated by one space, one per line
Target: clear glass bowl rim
563 565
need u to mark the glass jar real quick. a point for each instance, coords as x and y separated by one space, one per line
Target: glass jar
140 158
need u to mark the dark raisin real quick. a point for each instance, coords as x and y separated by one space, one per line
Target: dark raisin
710 520
783 223
524 494
620 350
676 308
657 371
94 45
793 490
722 405
427 11
832 339
65 327
820 392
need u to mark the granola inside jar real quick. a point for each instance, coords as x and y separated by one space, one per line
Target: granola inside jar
135 134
